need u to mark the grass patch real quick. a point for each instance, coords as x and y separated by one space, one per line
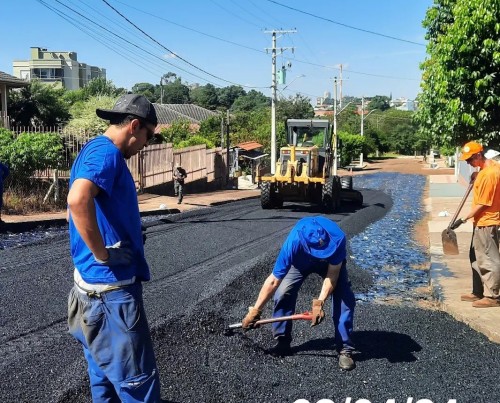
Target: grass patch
27 197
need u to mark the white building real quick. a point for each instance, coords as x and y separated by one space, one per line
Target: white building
403 104
56 67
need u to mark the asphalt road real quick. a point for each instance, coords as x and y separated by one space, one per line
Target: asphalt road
207 268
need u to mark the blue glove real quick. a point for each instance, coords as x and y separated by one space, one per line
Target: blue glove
119 254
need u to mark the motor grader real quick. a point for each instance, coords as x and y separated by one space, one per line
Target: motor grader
305 172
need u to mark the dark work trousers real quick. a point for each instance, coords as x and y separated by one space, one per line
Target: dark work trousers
178 190
116 341
342 298
485 242
477 284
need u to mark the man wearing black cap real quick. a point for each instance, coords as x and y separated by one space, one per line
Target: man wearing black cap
314 245
105 308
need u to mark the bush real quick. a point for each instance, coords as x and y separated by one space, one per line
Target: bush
351 145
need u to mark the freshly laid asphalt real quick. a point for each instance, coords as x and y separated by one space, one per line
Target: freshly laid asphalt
404 351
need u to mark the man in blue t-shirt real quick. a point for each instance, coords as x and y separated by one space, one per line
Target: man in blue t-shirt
314 245
105 308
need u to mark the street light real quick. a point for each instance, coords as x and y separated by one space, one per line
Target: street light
290 83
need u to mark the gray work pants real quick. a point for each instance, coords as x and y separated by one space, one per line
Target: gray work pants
485 243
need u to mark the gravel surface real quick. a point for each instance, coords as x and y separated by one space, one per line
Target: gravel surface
208 266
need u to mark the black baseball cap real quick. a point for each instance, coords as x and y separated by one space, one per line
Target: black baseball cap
130 104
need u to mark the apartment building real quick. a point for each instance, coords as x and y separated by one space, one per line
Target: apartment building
62 68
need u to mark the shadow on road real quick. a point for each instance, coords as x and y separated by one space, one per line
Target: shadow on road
395 347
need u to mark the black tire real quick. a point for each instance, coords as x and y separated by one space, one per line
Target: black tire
266 195
277 199
346 182
331 194
337 188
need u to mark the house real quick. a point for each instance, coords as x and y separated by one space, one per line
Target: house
62 68
6 82
170 113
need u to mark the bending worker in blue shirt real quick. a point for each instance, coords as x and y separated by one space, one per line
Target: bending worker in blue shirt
105 308
314 245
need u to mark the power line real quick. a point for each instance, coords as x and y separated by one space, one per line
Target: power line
168 50
192 29
131 43
346 25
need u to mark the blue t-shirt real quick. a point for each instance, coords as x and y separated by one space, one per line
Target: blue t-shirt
292 253
117 213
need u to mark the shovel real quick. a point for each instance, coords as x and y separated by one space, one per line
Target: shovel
297 316
448 236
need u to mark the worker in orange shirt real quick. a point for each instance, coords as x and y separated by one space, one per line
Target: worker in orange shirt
485 212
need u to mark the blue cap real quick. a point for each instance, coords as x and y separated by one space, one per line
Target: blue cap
319 236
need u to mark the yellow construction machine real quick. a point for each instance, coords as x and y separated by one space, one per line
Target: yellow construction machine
305 171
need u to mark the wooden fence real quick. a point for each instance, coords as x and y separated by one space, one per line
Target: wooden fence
151 167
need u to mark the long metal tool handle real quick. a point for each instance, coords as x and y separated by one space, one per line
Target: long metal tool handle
297 316
462 202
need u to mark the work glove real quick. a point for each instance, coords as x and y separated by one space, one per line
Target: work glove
318 314
458 223
143 229
253 316
119 254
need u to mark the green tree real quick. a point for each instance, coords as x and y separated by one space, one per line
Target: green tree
84 118
205 96
228 95
211 129
294 107
460 96
146 89
380 102
174 92
38 105
177 132
101 87
252 100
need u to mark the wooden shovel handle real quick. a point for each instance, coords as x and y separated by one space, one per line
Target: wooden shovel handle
462 202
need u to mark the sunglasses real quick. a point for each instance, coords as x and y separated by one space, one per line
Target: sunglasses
150 134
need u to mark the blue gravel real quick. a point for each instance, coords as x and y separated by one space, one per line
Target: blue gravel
386 248
11 239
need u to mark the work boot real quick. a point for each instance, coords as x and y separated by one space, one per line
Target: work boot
470 297
281 349
486 302
345 361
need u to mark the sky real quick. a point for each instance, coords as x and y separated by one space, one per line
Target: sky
380 44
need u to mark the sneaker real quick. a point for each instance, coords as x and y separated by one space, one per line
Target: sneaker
281 349
346 362
470 297
486 302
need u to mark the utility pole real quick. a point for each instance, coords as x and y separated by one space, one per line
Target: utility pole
161 90
274 93
340 86
227 148
335 155
362 128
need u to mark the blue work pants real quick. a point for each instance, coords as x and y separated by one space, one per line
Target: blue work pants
342 298
116 340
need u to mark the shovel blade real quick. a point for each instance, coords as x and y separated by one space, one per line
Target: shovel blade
450 244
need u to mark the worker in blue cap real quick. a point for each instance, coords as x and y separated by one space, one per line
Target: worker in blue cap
314 245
